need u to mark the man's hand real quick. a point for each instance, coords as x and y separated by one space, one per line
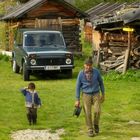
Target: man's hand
102 98
77 103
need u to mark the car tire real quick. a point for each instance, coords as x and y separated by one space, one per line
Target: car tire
26 75
16 68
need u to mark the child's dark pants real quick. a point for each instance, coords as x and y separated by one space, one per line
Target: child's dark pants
32 115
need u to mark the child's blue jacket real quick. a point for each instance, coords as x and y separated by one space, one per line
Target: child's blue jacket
28 97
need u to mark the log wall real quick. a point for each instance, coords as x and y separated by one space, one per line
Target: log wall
50 15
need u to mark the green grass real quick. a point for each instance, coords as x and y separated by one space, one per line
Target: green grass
122 105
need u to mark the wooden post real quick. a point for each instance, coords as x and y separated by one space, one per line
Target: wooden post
60 23
98 57
127 53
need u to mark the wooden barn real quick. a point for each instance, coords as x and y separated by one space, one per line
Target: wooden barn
116 35
46 14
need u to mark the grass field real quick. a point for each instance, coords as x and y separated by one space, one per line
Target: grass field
120 119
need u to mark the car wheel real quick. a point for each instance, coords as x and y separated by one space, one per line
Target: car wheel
26 75
16 68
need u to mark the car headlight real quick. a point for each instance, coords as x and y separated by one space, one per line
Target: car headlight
68 61
33 62
32 56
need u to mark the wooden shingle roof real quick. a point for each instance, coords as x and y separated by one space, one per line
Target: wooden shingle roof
105 13
21 10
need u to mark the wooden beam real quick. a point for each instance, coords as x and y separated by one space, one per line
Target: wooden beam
15 26
127 53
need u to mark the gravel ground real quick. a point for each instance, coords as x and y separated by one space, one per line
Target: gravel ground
37 135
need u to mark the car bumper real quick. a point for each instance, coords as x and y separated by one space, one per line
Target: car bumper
50 67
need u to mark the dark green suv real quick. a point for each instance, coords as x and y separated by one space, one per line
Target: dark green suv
41 50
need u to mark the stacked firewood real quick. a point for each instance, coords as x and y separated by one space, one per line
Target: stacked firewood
135 56
114 63
113 53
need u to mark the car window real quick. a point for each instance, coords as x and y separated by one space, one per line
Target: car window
29 40
44 40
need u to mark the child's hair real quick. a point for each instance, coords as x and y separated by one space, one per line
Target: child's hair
31 86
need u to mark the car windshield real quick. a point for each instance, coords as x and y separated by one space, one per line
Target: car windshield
46 40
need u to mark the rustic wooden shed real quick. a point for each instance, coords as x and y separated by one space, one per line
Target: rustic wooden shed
119 49
47 14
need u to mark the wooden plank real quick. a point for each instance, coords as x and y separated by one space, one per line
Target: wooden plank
15 26
51 8
121 44
127 53
70 21
119 68
48 24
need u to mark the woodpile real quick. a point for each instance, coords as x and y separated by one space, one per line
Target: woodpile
116 63
113 52
135 55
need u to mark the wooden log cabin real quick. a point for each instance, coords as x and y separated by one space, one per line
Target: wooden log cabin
114 47
46 14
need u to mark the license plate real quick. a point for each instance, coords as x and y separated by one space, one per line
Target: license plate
52 67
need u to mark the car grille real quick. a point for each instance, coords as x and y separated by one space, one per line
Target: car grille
51 61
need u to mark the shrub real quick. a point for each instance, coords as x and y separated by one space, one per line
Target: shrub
4 57
130 74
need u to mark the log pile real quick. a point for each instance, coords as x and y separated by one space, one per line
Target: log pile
135 56
116 63
113 52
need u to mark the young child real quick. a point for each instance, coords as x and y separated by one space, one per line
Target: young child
32 102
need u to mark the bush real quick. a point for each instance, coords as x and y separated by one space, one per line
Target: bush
130 74
4 57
